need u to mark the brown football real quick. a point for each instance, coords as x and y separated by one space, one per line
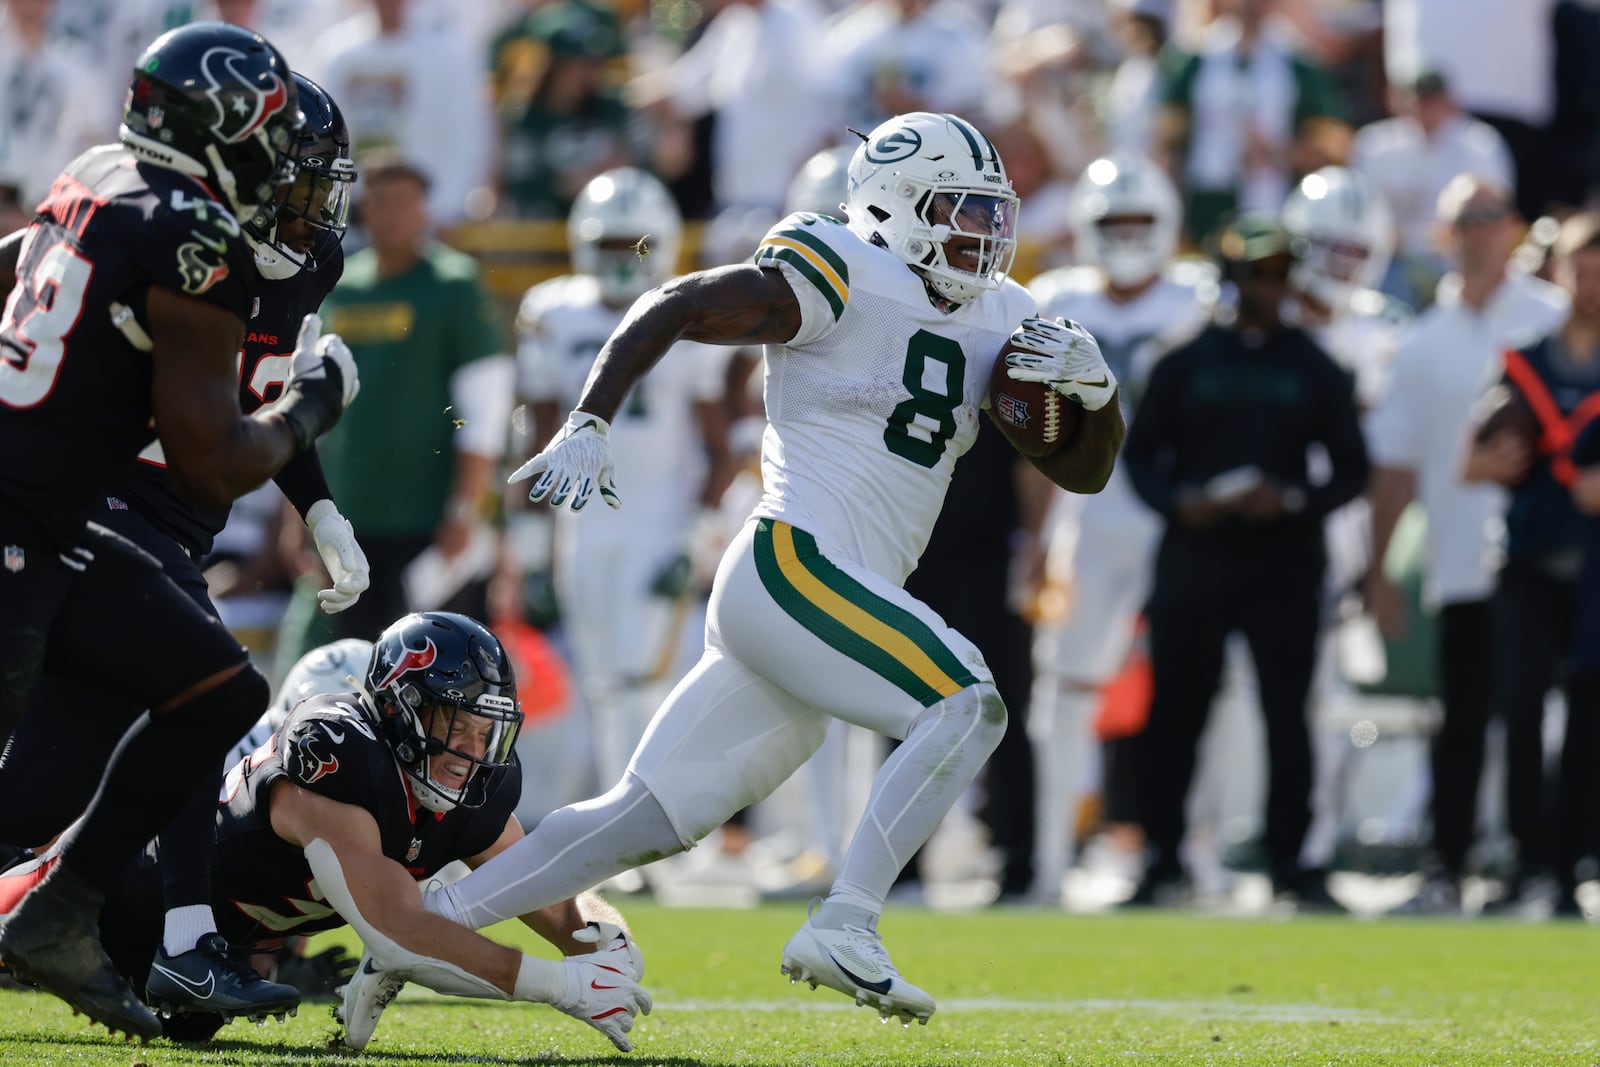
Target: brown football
1503 410
1035 418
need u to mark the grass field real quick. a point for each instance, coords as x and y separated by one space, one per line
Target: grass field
1014 987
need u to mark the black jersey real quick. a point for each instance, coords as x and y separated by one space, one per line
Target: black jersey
275 314
329 744
75 366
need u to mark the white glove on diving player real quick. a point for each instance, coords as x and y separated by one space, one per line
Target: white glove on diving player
312 347
575 463
1064 356
336 543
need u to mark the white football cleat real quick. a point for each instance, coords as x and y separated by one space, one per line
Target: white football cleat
369 991
854 961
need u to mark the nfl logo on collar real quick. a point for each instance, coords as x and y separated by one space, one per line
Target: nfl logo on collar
15 560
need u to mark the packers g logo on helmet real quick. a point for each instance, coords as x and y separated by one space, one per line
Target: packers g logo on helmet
894 146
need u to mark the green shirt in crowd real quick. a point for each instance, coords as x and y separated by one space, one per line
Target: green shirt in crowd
391 458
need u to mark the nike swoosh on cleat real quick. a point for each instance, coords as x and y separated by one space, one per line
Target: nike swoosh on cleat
880 986
202 990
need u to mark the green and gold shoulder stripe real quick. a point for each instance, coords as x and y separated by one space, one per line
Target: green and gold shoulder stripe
813 259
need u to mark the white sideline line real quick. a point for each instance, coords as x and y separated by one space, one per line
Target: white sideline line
1193 1009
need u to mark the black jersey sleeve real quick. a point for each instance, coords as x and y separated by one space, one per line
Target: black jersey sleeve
190 242
329 746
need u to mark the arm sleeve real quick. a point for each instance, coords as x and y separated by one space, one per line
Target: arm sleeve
303 482
1144 452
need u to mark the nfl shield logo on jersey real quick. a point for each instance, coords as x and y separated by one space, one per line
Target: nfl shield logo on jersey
14 558
414 850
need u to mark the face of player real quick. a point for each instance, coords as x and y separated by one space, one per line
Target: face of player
463 735
971 218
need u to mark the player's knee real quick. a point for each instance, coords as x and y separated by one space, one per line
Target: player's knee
977 709
229 708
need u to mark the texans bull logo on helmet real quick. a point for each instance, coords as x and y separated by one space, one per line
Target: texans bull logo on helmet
410 659
243 106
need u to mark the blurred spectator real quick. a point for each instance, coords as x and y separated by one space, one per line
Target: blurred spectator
1556 379
47 109
1498 58
562 121
1126 217
416 91
1575 127
1417 432
623 578
756 71
1133 98
1219 448
895 56
111 34
1411 158
1245 115
412 467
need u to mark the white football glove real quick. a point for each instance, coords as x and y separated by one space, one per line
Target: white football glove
1064 356
313 350
615 949
575 463
336 543
600 994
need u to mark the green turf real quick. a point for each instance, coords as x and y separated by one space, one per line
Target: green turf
1021 987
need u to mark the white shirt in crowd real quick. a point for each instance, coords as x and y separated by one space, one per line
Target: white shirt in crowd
1411 169
420 93
940 55
1496 54
1421 423
48 113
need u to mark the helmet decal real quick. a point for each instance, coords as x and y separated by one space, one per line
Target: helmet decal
411 659
238 115
894 146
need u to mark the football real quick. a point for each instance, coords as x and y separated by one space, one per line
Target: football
1035 418
1503 410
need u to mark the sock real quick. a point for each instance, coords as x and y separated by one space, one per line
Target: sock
185 926
155 770
1058 724
918 784
571 850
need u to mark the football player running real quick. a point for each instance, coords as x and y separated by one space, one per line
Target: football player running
1125 218
297 245
881 334
356 795
132 289
620 579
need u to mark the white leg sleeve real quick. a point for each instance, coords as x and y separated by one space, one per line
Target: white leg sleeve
917 785
1058 724
571 850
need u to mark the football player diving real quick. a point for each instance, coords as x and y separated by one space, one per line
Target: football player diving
297 244
881 334
357 795
133 286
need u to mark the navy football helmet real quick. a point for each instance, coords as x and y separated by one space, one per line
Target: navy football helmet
215 102
447 704
319 194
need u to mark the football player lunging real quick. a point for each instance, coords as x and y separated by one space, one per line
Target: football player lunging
881 334
356 795
133 287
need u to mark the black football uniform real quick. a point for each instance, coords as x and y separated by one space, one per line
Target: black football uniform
75 410
275 315
262 884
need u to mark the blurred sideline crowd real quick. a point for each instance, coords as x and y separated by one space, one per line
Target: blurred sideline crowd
1209 671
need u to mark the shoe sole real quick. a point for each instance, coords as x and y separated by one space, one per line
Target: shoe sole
130 1026
257 1014
888 1006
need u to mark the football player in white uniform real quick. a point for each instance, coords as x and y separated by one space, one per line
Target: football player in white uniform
1125 217
881 334
620 578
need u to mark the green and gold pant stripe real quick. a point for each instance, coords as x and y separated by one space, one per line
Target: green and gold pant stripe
877 633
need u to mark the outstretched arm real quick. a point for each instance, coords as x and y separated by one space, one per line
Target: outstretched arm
557 923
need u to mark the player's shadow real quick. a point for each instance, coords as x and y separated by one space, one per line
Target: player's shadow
294 1055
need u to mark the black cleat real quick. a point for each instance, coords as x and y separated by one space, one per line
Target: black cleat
51 941
207 980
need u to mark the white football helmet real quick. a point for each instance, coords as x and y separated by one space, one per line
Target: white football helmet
822 184
612 213
922 180
1345 233
332 668
1124 215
